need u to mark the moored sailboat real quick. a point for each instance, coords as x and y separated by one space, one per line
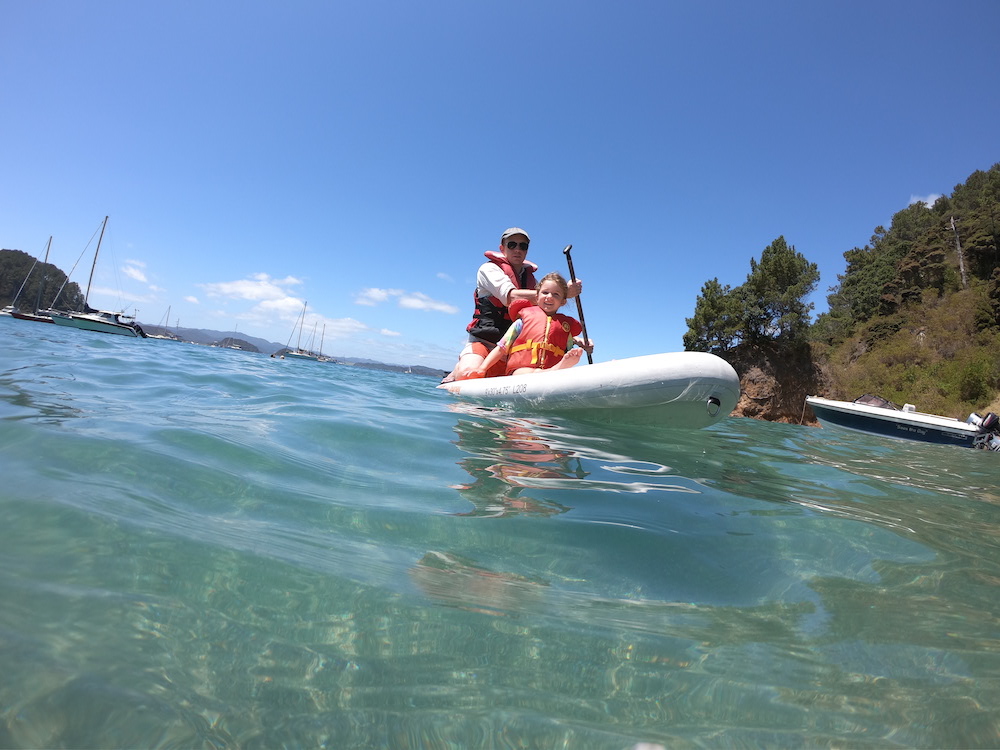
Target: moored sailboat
101 321
163 329
298 352
36 315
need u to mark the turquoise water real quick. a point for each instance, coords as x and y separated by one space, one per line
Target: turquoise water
210 548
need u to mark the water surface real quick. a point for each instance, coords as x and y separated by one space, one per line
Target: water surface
211 548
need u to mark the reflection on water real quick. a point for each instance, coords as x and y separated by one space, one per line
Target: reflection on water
460 582
504 458
228 551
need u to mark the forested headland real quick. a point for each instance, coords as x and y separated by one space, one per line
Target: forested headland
30 284
915 316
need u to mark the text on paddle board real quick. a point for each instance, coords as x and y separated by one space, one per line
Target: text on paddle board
507 390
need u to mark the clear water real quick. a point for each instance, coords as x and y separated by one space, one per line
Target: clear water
210 548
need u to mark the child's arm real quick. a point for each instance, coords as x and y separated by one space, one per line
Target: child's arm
577 330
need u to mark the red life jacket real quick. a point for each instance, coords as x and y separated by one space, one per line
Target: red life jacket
543 339
491 319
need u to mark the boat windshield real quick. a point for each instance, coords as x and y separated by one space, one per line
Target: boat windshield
871 400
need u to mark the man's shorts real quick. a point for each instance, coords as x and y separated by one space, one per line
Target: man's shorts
483 348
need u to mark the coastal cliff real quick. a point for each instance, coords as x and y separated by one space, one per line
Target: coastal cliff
774 384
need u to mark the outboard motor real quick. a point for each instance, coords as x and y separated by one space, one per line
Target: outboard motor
989 433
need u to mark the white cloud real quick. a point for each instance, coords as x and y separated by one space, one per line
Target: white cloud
443 276
115 294
134 272
258 287
192 299
343 327
928 199
371 297
407 300
286 307
275 306
387 332
420 301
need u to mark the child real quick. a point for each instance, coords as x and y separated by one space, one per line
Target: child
540 336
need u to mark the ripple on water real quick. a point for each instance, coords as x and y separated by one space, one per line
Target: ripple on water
208 547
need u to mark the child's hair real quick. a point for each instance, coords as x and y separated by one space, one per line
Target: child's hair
558 279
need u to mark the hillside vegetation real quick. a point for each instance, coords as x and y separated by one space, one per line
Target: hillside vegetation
915 317
27 283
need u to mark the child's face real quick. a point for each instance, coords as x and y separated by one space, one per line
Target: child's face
550 297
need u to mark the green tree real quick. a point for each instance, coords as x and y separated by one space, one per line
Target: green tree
32 283
769 306
918 253
714 327
773 296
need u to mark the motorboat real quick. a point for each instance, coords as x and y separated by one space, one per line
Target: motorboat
879 416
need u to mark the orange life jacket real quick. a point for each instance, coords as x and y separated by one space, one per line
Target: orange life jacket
543 339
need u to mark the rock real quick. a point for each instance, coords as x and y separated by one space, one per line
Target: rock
774 383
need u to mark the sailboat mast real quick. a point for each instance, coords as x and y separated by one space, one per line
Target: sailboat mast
41 287
298 345
86 297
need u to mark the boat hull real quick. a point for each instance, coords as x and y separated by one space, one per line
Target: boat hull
905 425
688 390
98 323
31 316
301 355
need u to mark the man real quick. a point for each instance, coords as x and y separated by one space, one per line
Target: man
506 276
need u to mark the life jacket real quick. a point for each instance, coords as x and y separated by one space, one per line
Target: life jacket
543 339
491 319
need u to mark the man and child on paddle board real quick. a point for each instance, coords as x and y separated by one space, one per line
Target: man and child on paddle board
517 327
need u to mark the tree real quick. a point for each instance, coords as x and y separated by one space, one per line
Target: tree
773 296
38 283
770 305
716 320
919 252
869 285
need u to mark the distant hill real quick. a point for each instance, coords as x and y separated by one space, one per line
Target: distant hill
209 337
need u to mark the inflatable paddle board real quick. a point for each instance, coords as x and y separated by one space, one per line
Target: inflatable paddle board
681 389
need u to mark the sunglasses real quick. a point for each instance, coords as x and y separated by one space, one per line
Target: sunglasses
511 245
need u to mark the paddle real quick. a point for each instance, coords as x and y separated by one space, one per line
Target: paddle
579 305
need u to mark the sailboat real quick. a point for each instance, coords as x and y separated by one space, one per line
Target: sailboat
322 357
164 329
298 352
15 312
102 321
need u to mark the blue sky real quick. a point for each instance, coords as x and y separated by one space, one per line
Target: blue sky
362 156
